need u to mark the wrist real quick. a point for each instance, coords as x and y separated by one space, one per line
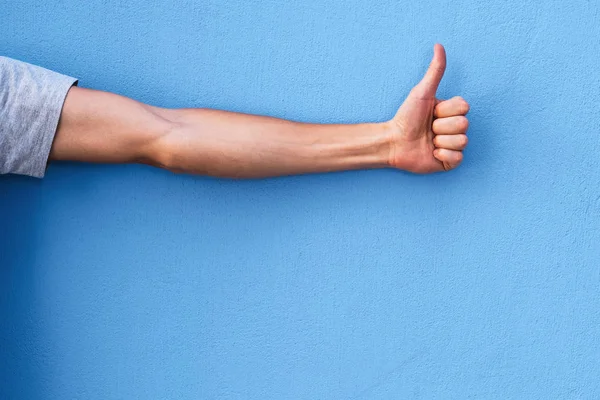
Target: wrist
375 144
389 131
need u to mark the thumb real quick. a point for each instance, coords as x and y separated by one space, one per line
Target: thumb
430 82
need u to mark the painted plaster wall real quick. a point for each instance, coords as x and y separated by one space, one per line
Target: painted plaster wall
122 282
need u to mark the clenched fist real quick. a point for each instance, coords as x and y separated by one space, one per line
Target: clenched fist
429 134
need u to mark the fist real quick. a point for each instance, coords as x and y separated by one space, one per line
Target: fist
429 134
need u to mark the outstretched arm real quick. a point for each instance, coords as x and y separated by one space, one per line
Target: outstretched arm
104 127
426 135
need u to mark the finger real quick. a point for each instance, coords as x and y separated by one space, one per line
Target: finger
449 108
450 125
449 158
430 82
451 142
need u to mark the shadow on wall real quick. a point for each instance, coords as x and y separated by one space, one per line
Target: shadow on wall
27 356
20 199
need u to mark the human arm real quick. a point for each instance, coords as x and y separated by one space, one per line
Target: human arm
103 127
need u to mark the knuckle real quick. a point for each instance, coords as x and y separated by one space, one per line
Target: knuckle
462 105
463 123
437 66
466 107
464 140
419 91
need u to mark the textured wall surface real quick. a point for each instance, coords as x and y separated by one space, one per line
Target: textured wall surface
124 282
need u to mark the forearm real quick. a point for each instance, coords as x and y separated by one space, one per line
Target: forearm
103 127
221 143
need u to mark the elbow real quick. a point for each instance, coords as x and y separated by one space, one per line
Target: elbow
161 151
163 155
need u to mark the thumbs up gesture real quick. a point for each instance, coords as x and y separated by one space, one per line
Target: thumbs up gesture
429 134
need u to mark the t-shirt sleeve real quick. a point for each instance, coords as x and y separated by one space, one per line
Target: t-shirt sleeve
31 100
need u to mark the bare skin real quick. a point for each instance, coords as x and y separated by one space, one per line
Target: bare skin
426 135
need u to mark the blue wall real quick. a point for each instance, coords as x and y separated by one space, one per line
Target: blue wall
122 282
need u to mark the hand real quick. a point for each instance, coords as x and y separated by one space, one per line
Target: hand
428 135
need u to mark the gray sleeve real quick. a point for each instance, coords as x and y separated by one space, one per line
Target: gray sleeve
31 100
